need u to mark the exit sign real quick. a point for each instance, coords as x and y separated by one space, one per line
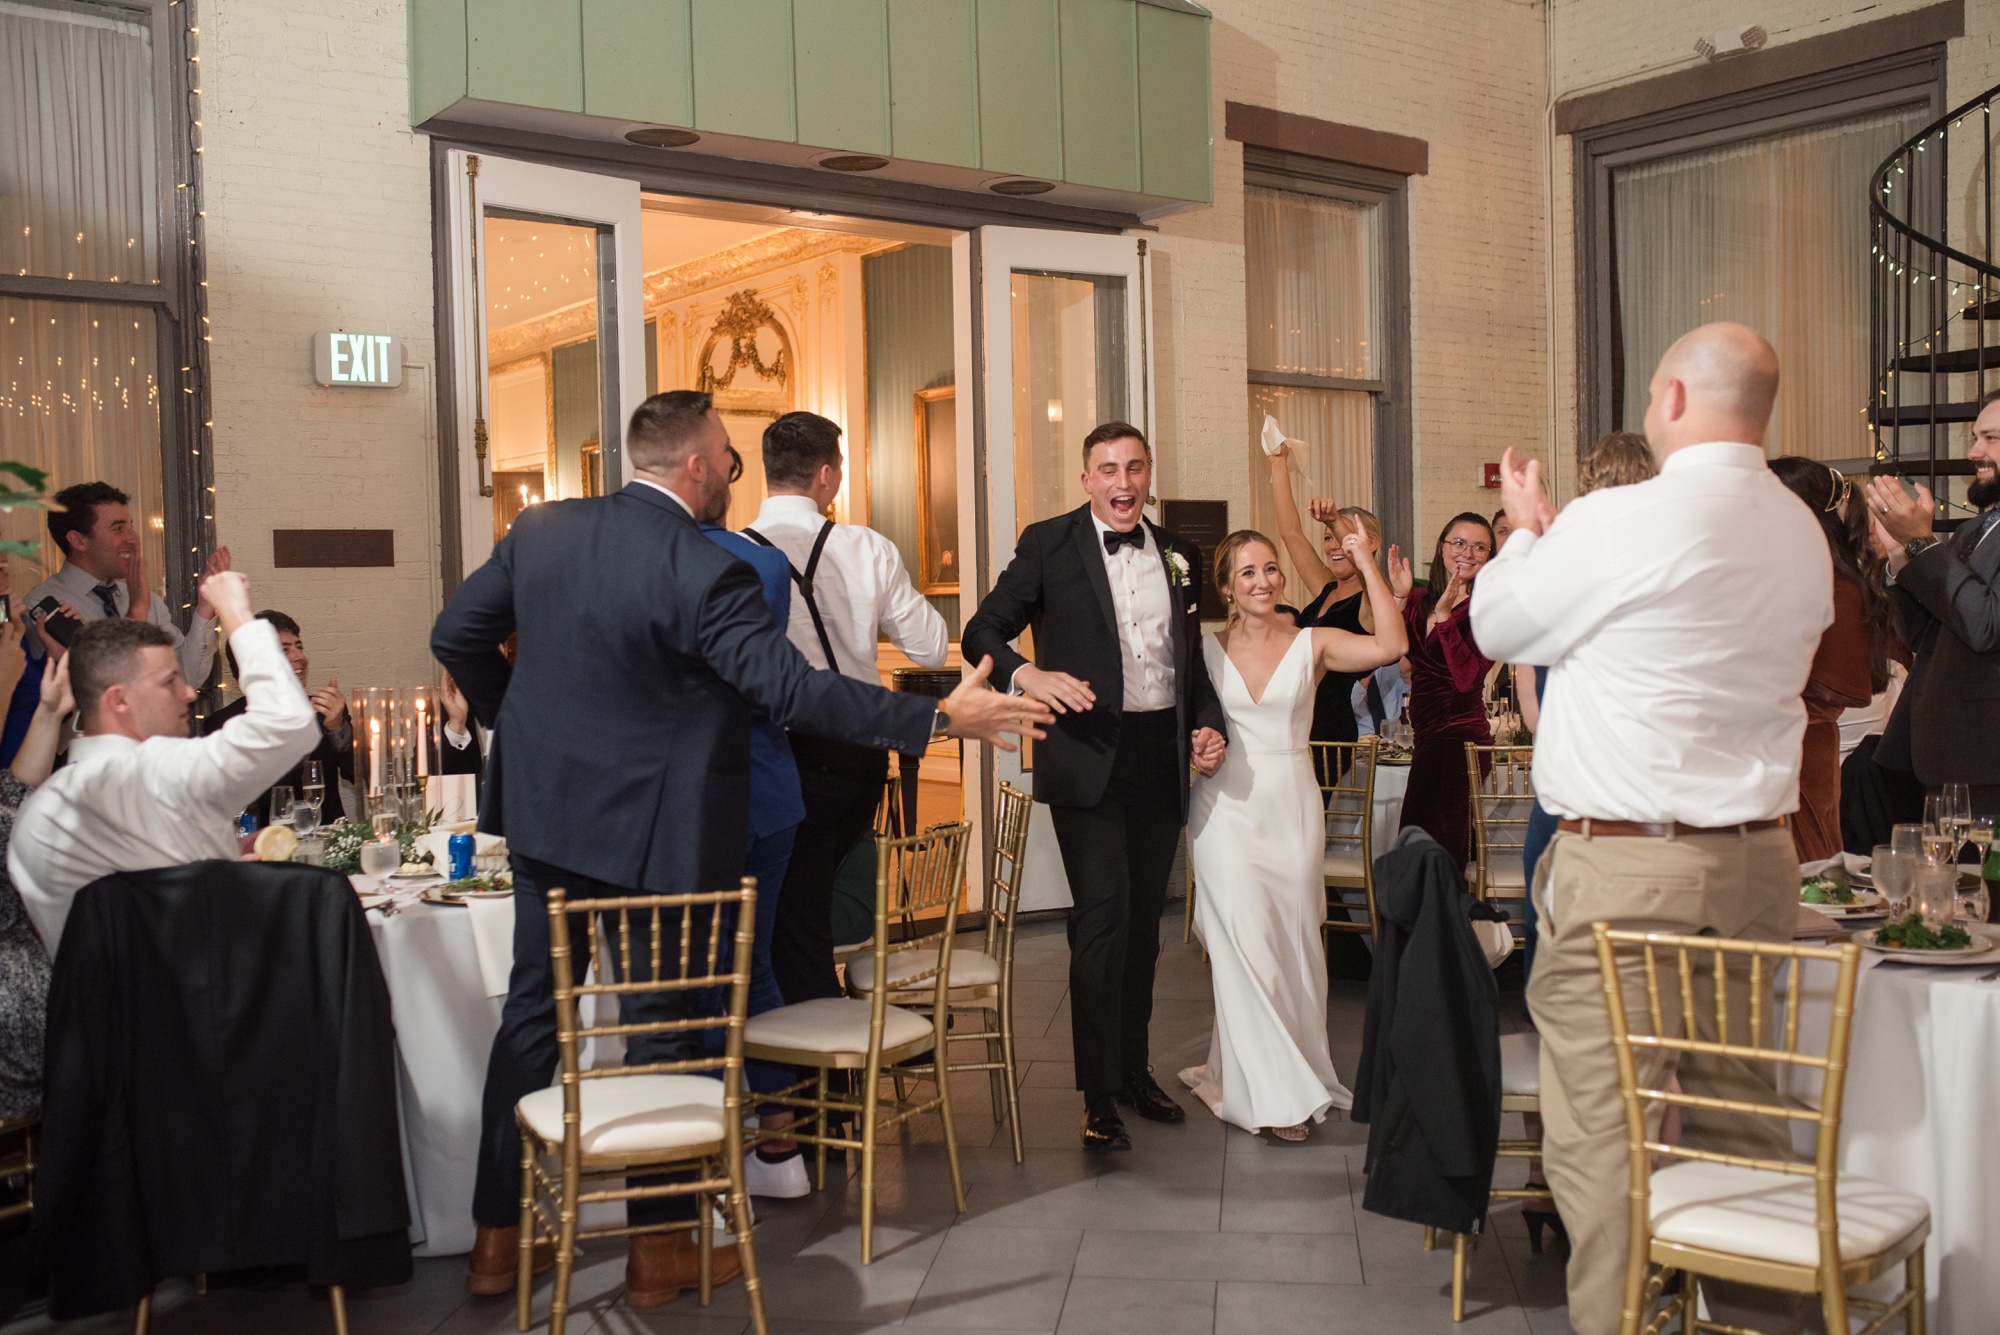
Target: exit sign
374 360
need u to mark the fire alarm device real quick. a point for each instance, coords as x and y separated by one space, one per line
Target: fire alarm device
1489 475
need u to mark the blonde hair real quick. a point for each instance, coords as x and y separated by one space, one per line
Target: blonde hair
1616 460
1225 561
1369 523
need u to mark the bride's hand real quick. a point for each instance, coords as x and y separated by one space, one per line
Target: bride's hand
1207 748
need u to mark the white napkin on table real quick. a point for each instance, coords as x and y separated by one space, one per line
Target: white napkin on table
493 941
454 796
1273 438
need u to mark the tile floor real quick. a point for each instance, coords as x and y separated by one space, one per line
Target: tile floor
1200 1230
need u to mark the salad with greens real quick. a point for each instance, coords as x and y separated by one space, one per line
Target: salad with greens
1913 933
1825 890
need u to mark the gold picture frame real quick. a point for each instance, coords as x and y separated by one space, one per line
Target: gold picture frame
937 490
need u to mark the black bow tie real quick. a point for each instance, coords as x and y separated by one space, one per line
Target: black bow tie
1135 538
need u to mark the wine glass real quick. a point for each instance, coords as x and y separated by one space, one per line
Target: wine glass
384 824
1941 849
312 782
1973 901
1890 868
281 804
305 816
379 857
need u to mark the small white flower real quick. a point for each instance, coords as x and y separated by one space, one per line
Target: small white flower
1177 567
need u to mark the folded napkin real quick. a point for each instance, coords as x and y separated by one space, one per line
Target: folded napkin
493 941
438 844
1851 862
454 796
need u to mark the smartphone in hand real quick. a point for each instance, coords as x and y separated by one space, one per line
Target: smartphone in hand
61 626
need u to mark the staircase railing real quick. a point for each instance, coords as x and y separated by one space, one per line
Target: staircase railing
1935 298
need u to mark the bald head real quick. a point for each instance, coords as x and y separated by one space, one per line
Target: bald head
1716 383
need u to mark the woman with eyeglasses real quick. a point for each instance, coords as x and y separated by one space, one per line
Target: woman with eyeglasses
1447 677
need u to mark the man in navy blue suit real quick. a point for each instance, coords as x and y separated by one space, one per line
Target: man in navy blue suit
620 758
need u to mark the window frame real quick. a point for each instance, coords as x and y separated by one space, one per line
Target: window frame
1903 79
175 301
1391 466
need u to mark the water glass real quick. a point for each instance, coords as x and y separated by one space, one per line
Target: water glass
1891 868
305 817
379 857
281 804
1937 892
1973 902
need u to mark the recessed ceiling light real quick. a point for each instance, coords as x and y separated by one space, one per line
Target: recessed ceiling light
661 137
1021 186
854 162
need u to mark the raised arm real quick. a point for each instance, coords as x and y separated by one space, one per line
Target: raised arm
1291 529
278 726
1344 651
36 759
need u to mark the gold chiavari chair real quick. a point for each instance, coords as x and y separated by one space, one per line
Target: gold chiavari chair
888 825
1775 1223
609 1122
916 876
19 1161
1346 772
1502 797
982 980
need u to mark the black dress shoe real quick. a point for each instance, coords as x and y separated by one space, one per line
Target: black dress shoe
1104 1129
1143 1096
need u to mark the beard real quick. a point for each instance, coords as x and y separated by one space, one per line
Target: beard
1981 493
714 500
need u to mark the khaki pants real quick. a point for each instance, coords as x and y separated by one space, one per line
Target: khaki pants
1731 885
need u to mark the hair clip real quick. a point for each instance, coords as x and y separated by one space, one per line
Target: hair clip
1837 498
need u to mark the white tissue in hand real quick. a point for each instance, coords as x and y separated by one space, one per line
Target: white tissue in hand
1274 439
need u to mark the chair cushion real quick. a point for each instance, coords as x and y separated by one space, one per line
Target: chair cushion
1505 872
1757 1213
1345 866
969 968
832 1025
1521 1064
631 1114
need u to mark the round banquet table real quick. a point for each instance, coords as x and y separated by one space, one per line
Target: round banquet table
1923 1085
445 1024
1392 782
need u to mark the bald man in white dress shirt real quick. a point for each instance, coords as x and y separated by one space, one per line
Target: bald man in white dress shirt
1678 619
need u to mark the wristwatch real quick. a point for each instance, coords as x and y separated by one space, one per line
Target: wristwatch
1916 546
940 723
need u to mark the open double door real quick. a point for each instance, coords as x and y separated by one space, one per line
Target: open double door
1051 336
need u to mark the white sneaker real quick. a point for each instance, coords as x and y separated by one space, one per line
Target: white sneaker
784 1180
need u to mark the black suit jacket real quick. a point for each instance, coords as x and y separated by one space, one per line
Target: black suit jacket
221 1086
1947 723
1056 584
621 733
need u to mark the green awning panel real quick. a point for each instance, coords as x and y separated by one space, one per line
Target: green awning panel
1109 95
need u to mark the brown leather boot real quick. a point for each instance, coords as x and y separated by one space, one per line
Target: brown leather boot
660 1265
496 1253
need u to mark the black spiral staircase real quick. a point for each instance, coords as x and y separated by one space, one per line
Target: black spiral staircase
1935 298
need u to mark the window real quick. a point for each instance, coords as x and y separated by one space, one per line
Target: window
1327 343
1755 211
100 362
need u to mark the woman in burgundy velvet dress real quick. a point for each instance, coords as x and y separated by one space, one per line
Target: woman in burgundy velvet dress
1447 676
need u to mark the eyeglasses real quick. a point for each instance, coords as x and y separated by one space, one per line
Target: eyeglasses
1461 546
735 464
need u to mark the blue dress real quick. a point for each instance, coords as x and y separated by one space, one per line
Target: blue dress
1541 829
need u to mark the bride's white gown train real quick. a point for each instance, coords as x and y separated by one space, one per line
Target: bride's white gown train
1258 841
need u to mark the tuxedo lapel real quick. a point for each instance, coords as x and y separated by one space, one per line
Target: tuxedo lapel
1091 553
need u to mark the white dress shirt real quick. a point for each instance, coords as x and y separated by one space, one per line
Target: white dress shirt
862 588
1145 609
73 584
121 805
1678 619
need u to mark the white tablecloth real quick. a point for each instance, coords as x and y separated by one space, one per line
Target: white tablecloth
1391 783
1923 1087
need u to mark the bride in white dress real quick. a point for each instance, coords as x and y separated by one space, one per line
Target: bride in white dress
1259 839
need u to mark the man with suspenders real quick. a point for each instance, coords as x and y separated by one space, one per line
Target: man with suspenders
849 584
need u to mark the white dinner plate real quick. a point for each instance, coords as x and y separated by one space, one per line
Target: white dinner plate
1979 952
1867 904
416 876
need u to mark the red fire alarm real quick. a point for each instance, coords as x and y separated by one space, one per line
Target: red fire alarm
1489 475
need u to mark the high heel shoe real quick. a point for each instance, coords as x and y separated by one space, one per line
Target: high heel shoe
1537 1220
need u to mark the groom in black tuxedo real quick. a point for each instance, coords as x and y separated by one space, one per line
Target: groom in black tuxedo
1112 599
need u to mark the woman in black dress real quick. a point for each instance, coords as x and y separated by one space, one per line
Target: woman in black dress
1340 602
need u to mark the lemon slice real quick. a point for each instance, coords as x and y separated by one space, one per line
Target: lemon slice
276 843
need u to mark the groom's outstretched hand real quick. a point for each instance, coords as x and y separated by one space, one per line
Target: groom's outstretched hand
1207 749
1058 690
982 714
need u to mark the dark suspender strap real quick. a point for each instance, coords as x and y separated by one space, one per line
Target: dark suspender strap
805 583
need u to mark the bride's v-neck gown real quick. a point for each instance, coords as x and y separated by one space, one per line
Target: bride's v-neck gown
1258 840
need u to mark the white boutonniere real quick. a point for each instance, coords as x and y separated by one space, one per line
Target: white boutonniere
1177 570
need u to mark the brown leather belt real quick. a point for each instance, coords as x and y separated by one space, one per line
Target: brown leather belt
1638 829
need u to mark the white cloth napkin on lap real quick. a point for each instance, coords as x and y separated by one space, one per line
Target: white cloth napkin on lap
493 941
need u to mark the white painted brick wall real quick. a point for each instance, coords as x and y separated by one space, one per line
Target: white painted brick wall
319 217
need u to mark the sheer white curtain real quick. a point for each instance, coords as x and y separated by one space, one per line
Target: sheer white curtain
1312 273
1772 233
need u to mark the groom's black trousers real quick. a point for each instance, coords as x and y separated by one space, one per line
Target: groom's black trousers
1118 855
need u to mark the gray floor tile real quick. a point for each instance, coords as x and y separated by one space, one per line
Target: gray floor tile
1392 1253
1294 1190
998 1277
1272 1258
1138 1307
1378 1309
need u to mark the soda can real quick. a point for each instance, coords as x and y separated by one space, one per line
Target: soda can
460 847
246 824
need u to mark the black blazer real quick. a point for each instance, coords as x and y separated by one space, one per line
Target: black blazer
621 733
1948 610
1428 1085
1056 584
221 1087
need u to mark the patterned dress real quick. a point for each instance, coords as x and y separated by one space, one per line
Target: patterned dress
24 978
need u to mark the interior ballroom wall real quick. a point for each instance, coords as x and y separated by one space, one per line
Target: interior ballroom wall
908 300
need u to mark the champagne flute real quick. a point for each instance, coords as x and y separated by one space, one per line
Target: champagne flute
312 782
1958 803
